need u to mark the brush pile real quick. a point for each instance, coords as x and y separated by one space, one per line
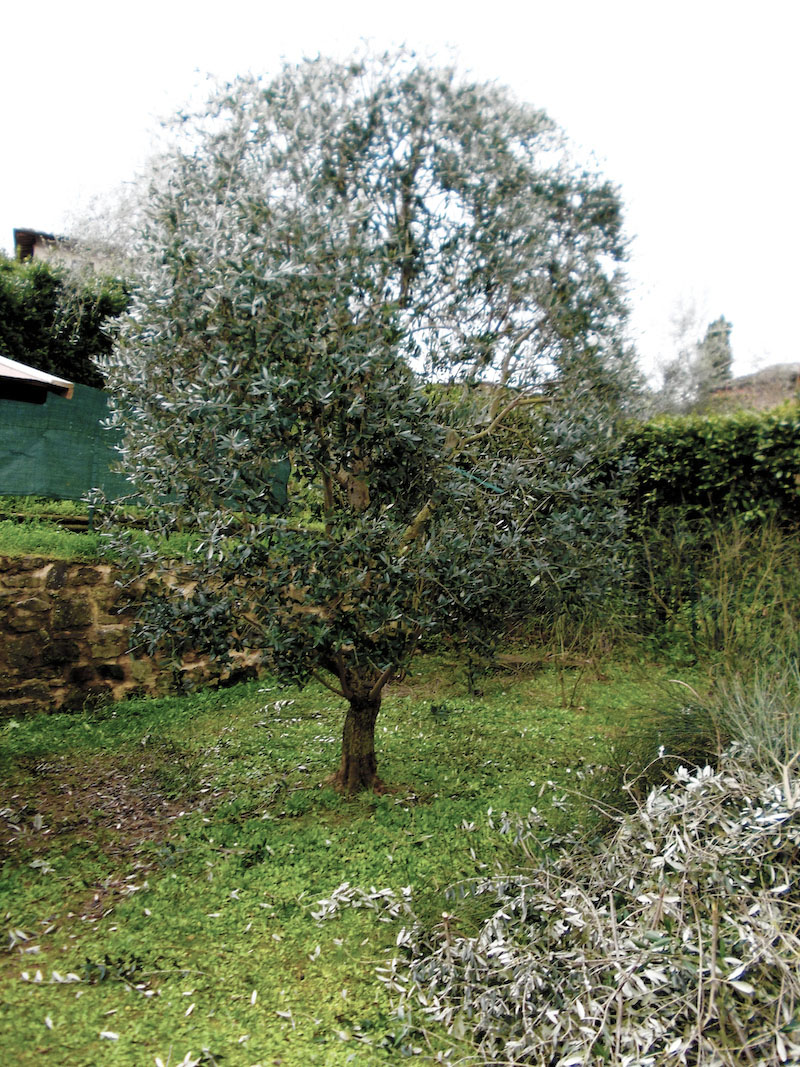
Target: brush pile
677 941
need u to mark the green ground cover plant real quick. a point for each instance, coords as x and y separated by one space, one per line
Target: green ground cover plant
163 861
37 507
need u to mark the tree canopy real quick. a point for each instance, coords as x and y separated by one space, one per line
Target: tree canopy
54 322
319 248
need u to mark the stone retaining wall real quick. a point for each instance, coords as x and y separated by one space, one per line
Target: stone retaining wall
64 641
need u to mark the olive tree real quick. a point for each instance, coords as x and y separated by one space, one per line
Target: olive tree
319 249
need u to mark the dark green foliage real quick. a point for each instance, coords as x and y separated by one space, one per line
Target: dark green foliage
747 464
55 323
714 509
725 591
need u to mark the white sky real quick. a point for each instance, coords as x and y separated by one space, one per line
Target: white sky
691 107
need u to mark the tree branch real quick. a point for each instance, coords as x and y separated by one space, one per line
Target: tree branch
327 685
414 528
518 401
381 682
416 525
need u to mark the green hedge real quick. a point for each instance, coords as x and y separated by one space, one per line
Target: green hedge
746 464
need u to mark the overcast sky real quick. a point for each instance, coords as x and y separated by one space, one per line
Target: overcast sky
691 108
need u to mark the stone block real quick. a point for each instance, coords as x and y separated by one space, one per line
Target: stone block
58 575
109 642
90 576
29 614
81 674
115 605
22 564
25 651
72 613
33 691
17 708
22 580
61 651
112 672
143 671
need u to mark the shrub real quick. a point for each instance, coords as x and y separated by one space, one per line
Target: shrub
725 589
763 713
54 322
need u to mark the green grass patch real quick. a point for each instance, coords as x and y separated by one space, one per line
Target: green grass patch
169 855
36 507
35 537
40 537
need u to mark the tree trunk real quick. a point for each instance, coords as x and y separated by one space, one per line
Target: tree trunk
357 770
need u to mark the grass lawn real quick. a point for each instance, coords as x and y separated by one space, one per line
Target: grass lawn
170 854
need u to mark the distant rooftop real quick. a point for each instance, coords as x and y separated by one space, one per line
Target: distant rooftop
29 244
759 391
778 374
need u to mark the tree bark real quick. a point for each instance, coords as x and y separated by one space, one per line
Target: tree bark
358 767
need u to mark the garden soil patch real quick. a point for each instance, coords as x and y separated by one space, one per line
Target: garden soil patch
122 805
